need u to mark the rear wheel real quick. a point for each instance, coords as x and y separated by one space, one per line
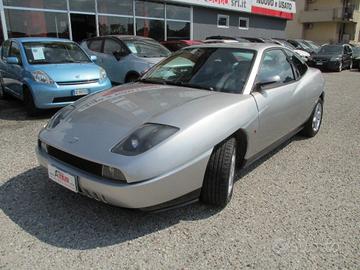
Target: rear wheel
3 94
312 126
30 106
220 173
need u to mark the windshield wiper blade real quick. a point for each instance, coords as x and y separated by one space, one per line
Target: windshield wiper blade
152 81
192 86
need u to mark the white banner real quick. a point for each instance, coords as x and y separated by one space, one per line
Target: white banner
244 5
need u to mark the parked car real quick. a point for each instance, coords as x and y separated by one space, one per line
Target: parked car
175 45
315 48
301 45
333 57
182 131
125 58
48 72
356 57
304 54
239 39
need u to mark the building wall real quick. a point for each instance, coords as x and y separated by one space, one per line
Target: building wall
323 32
324 4
294 28
205 24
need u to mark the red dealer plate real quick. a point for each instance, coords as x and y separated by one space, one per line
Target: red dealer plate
63 178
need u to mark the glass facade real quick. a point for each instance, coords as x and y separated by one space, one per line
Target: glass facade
81 19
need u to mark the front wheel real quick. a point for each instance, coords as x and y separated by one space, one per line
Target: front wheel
312 126
340 67
220 173
30 106
3 94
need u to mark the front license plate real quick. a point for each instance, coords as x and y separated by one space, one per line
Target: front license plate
319 63
63 178
80 92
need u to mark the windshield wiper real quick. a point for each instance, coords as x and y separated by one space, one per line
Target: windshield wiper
152 81
191 85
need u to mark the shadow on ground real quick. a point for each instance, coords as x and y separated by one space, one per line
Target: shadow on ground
14 110
61 218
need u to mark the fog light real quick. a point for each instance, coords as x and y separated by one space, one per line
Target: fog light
42 146
112 173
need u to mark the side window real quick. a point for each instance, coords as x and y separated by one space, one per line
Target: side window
275 63
15 51
300 67
95 45
5 49
111 47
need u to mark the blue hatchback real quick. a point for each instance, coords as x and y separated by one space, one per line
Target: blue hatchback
48 72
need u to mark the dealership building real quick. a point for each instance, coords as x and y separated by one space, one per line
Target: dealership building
161 20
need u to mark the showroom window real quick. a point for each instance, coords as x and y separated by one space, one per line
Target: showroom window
47 4
243 23
150 28
178 30
223 21
82 5
111 25
123 7
175 12
36 23
149 9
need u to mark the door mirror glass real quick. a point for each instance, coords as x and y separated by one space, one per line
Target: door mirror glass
268 80
93 58
12 60
120 54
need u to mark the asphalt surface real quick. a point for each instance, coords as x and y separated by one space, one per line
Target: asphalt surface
297 208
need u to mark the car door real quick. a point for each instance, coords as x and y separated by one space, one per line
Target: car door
3 65
15 71
94 47
277 102
114 60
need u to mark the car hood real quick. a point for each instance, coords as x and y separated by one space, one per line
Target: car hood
70 72
302 53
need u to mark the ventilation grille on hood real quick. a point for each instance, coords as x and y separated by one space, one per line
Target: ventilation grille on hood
78 82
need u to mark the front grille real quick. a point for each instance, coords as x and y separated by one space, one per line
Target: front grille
78 82
80 163
67 99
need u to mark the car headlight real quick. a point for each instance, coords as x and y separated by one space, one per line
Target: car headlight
144 138
102 74
335 59
41 77
60 115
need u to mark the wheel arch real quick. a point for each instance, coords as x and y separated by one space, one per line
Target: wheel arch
241 138
131 73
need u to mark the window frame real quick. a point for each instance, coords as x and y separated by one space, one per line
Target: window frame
227 21
288 53
116 40
247 23
275 85
19 47
91 40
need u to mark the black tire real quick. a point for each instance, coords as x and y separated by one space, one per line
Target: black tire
309 129
219 177
29 103
3 94
131 78
340 67
351 65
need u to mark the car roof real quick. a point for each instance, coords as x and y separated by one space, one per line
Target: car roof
35 39
250 46
125 37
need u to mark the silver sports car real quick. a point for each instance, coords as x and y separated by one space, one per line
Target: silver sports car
182 131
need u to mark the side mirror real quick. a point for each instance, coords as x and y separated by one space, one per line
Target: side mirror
267 81
93 58
12 60
119 55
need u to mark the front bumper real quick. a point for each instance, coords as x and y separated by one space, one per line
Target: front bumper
146 194
325 65
57 96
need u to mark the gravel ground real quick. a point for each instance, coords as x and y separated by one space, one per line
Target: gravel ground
297 208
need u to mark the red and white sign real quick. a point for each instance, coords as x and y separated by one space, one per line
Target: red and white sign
276 8
62 178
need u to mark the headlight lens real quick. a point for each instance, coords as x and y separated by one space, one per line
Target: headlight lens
335 59
102 74
41 77
143 139
60 115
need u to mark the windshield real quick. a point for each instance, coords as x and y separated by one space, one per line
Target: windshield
331 49
356 52
54 53
215 69
311 44
146 48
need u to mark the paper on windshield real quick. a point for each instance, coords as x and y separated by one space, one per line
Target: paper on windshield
132 48
38 53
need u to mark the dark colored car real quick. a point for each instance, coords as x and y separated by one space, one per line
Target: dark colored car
333 57
356 57
175 45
